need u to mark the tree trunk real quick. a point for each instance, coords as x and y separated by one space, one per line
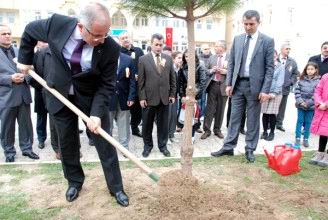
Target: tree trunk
187 148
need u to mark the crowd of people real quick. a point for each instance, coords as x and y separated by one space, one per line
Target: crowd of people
115 81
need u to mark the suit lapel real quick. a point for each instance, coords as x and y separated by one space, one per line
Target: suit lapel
96 55
4 57
240 44
152 62
257 45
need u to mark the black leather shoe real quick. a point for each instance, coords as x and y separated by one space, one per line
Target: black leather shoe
145 153
166 153
31 155
72 193
222 152
242 131
10 159
250 156
41 145
270 137
281 128
264 135
121 198
137 133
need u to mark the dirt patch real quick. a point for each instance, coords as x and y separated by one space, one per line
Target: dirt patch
215 192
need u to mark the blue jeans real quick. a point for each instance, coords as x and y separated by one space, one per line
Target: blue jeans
202 104
303 117
41 127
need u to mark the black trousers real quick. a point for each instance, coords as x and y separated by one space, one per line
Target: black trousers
136 116
161 112
269 121
323 143
66 123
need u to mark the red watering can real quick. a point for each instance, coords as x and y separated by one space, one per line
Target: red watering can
285 159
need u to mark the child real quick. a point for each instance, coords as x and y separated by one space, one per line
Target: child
304 92
320 121
271 107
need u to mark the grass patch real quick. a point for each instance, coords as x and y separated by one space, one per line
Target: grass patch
16 172
14 207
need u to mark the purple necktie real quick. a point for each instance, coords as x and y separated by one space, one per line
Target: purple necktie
75 60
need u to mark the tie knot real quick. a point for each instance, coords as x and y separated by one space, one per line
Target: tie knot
157 55
81 42
249 36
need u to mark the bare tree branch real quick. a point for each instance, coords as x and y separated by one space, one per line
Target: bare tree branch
210 11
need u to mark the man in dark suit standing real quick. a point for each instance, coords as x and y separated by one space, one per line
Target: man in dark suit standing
250 71
135 53
15 99
322 59
157 88
291 73
84 65
123 99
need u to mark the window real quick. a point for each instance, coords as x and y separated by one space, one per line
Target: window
11 17
209 24
164 22
176 23
37 15
140 21
199 24
1 18
118 20
157 21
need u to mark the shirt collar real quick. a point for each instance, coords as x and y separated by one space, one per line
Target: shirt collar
154 55
77 34
323 58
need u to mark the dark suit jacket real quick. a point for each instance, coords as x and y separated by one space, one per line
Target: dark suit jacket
261 67
125 89
41 66
323 66
291 73
155 87
11 94
92 89
137 54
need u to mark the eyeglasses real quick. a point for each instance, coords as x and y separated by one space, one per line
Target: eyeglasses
249 24
8 33
96 37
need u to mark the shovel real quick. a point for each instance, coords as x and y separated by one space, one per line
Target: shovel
154 176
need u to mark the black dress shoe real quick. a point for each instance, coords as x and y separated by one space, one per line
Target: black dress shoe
10 159
72 193
121 198
31 155
264 135
270 137
250 156
242 131
281 128
137 133
166 153
145 153
222 152
41 145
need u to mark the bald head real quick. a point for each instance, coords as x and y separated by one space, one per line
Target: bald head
94 13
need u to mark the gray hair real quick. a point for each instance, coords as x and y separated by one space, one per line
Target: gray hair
92 12
222 43
4 25
252 14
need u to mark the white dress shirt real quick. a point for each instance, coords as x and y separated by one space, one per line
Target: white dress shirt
86 53
252 43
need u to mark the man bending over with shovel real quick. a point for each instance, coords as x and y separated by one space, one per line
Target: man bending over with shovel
84 65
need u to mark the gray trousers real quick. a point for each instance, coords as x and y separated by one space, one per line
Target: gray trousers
214 108
282 109
173 117
122 119
241 99
25 130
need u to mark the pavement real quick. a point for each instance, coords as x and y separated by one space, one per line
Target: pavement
202 148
